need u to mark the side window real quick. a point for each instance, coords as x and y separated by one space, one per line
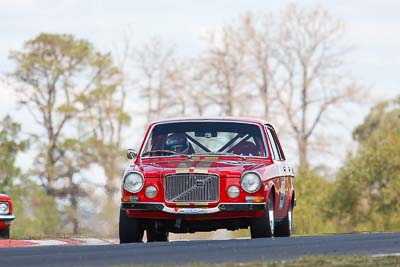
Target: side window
277 143
276 155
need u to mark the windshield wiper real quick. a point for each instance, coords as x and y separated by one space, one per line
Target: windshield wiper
226 154
168 152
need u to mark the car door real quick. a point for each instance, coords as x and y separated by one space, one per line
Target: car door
283 183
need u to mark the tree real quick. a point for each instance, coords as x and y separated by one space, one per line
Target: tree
311 81
10 146
366 190
224 71
257 33
48 67
55 71
35 211
103 110
162 84
291 65
312 193
195 94
383 115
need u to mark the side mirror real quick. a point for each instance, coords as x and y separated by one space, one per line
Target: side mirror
131 153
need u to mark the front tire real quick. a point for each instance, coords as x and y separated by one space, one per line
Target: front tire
5 233
284 228
264 226
130 229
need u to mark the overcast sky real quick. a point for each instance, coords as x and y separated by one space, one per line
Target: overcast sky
373 29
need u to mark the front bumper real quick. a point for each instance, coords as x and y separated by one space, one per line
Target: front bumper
7 219
234 207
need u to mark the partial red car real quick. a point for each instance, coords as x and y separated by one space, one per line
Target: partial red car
6 215
194 175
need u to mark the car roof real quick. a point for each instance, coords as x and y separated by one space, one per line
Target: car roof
203 119
222 119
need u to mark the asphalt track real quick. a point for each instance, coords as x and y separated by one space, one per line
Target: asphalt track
215 251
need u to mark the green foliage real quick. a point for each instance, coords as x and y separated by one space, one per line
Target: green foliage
55 56
75 95
107 219
36 212
56 69
366 192
384 115
311 194
10 146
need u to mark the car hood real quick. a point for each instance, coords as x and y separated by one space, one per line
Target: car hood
221 166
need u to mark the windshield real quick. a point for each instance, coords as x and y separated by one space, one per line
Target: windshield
189 138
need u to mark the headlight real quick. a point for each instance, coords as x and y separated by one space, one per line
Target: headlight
251 182
151 191
4 209
133 182
233 191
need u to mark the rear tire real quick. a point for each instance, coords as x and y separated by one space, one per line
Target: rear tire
5 234
284 228
130 229
264 226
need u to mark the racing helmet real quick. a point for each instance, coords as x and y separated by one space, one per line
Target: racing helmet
177 142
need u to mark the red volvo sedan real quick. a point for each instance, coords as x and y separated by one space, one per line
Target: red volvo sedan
6 216
193 175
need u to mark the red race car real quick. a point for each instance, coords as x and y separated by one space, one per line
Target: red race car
195 175
6 216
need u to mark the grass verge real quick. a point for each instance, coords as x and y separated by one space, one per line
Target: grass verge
310 261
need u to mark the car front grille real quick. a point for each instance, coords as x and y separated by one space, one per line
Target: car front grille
191 187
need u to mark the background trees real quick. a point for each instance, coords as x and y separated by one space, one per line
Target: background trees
366 191
60 77
36 212
48 68
224 70
10 145
312 194
287 67
311 81
160 80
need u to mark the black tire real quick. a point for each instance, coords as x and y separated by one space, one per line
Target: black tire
284 228
5 234
154 235
264 226
130 229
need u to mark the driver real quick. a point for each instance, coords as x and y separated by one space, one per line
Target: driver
178 143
